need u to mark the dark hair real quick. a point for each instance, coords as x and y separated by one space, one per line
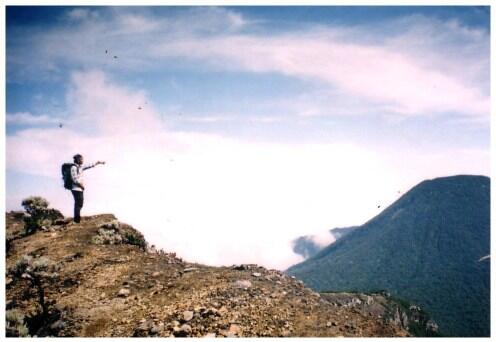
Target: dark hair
77 156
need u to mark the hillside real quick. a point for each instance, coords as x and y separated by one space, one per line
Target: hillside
426 248
98 280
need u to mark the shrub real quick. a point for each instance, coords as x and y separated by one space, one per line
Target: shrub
113 233
136 238
53 215
108 234
34 204
38 214
14 324
39 272
9 237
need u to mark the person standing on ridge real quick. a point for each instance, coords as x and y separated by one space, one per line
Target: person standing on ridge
78 185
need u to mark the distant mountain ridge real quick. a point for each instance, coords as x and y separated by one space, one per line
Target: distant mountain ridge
307 247
427 247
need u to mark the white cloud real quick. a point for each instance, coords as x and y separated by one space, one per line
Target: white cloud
212 199
323 238
408 66
125 32
210 20
139 24
266 119
383 76
25 118
207 118
78 14
100 105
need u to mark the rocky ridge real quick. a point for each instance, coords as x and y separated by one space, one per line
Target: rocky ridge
393 310
108 283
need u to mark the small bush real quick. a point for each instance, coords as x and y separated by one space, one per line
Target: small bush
39 272
9 238
53 215
136 239
14 324
113 233
34 204
21 265
108 234
38 214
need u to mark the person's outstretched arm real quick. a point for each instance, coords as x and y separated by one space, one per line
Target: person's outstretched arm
86 167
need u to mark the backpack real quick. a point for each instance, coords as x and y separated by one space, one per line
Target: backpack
66 175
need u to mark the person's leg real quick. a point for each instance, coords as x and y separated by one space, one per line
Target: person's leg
78 204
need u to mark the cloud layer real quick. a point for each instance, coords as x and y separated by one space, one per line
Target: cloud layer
411 66
383 76
212 199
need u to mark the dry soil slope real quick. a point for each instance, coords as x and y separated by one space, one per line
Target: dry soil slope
122 290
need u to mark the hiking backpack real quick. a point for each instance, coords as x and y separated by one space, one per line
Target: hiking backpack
66 175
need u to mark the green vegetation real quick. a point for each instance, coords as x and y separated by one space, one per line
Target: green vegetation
114 233
38 214
15 325
39 272
135 238
419 321
108 234
425 248
9 238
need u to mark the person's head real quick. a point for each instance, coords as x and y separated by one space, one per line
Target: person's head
78 159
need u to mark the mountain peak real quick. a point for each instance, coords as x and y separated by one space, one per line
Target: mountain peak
424 247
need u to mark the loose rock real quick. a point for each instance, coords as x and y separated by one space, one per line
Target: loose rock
58 325
155 329
241 267
124 292
234 329
187 316
183 331
242 284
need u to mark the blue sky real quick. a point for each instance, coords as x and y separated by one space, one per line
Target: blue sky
276 114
